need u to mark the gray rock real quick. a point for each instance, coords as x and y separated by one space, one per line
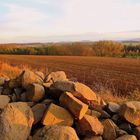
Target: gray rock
35 92
113 107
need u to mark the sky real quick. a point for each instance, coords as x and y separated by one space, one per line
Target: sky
42 20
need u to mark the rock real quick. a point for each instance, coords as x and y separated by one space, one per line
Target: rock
2 81
104 114
56 133
127 137
64 86
1 90
130 111
101 102
38 111
120 132
53 93
13 97
136 132
93 138
116 119
16 122
28 77
126 127
4 100
93 113
30 104
56 115
35 92
56 76
79 90
7 91
75 106
18 91
14 83
109 130
89 125
30 138
23 97
40 74
47 85
47 101
113 107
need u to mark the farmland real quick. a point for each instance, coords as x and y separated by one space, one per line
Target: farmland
120 75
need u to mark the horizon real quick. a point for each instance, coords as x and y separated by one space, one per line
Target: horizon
69 20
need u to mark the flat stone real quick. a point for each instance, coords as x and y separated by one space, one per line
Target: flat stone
38 112
89 125
56 115
79 90
35 92
75 106
109 130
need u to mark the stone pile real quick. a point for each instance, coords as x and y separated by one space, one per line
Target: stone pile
38 107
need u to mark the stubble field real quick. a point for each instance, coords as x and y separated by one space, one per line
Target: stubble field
119 75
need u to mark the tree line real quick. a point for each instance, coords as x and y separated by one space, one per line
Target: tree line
100 48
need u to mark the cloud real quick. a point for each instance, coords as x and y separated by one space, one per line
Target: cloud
42 18
99 16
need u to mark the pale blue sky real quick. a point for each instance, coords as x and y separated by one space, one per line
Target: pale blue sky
42 18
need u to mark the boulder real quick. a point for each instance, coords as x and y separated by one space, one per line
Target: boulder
14 83
40 74
75 106
126 126
16 121
116 119
1 90
79 90
7 91
4 100
120 132
109 130
23 97
104 114
136 132
56 76
38 111
93 138
113 107
48 101
127 137
2 81
130 111
89 125
93 113
35 92
56 115
28 77
56 133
